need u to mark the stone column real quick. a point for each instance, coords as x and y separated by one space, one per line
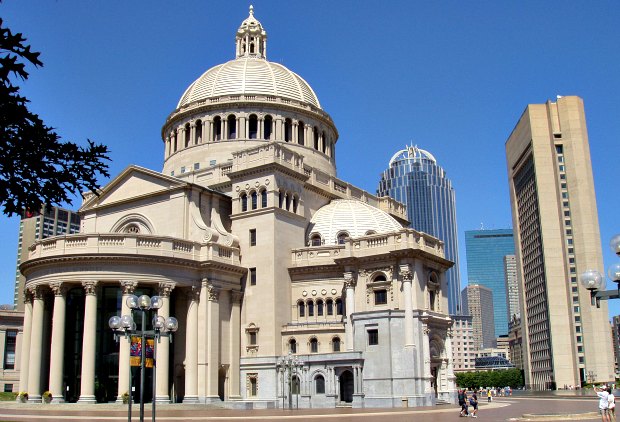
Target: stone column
426 348
58 342
224 129
128 287
25 350
203 339
407 277
294 132
235 346
261 129
448 346
349 284
213 345
191 347
163 348
211 137
36 344
89 341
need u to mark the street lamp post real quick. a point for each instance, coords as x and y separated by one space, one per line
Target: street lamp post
289 365
595 281
162 327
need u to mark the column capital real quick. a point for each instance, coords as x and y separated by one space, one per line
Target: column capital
165 288
36 291
406 274
213 293
89 287
59 288
27 296
426 330
128 286
349 279
193 293
236 296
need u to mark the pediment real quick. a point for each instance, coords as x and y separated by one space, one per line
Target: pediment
132 183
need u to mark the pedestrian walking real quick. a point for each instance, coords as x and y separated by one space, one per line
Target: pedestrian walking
603 403
489 396
463 402
473 401
611 404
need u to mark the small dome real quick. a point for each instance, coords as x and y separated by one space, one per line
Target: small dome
351 218
250 76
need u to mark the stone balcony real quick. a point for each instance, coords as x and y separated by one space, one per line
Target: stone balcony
132 244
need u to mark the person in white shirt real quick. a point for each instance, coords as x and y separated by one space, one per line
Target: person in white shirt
611 404
603 403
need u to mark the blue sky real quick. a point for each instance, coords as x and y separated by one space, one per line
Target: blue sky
452 77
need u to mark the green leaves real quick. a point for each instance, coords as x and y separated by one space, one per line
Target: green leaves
36 167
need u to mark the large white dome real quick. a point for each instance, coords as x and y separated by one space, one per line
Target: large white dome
248 75
350 216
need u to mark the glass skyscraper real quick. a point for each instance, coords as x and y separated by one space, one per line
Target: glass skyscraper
415 179
486 252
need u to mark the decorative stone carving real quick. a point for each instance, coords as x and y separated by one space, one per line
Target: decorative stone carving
36 292
89 287
59 288
367 272
193 294
165 288
407 275
128 287
28 297
349 280
213 293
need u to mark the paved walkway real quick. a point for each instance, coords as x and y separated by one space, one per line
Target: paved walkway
501 409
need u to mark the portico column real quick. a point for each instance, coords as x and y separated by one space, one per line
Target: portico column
407 278
163 348
451 376
36 343
213 345
191 348
128 288
235 351
58 342
25 350
89 340
349 284
426 348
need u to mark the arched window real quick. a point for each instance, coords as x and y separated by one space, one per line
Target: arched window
175 141
295 385
329 304
187 134
295 202
336 344
253 127
315 132
314 345
310 305
301 308
315 240
263 198
292 346
232 127
244 202
198 137
432 299
268 123
254 200
217 128
342 237
379 278
319 383
370 232
324 142
251 48
301 127
288 130
339 307
319 307
280 199
288 201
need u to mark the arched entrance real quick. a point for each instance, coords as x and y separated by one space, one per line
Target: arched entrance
346 387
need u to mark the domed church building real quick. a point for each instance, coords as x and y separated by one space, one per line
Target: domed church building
259 251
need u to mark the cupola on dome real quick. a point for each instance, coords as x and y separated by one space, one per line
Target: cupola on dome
343 218
250 73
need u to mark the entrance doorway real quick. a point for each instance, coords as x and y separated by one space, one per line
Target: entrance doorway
346 387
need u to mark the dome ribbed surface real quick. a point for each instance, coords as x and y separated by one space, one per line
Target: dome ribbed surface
354 217
250 76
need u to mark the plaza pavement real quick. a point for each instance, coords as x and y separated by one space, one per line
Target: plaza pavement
501 409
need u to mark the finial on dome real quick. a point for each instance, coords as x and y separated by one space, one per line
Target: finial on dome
251 39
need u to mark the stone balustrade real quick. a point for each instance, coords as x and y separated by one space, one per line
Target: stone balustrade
132 244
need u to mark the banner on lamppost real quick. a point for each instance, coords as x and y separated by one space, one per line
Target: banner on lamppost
135 351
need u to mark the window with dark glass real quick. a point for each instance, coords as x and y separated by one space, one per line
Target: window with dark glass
373 337
267 127
232 127
336 344
253 127
263 198
244 202
314 345
310 305
252 276
315 240
339 307
198 138
301 127
380 297
252 237
288 130
329 304
319 307
217 129
295 385
9 349
319 382
292 346
252 338
302 309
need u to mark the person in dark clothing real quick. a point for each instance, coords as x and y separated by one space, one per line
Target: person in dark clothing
463 402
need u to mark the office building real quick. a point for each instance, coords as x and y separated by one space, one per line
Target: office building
555 221
414 178
512 287
258 249
33 226
463 351
485 251
477 301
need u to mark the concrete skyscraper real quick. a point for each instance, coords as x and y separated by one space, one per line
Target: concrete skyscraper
486 250
512 287
477 301
555 220
415 179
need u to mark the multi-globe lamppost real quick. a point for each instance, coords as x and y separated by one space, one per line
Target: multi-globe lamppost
595 281
162 327
289 365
